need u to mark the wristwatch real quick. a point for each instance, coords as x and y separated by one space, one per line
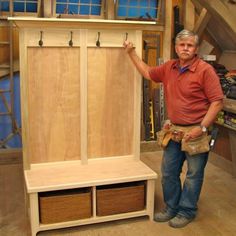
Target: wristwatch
204 128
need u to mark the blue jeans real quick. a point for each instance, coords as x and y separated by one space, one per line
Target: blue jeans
182 200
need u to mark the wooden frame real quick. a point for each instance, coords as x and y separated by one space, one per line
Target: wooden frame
67 14
80 116
16 13
52 39
158 18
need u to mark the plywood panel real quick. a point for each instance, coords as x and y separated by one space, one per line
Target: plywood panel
110 102
54 104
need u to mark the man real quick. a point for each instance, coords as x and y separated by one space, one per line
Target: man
193 97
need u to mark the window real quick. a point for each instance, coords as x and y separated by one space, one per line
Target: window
20 5
79 7
4 5
138 9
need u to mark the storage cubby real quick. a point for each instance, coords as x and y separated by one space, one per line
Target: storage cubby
81 105
120 198
65 205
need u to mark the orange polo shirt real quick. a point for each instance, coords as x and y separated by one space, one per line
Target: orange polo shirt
188 93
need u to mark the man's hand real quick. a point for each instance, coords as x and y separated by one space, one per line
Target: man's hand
193 133
128 46
141 66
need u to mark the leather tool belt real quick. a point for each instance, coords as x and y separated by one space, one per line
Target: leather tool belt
176 133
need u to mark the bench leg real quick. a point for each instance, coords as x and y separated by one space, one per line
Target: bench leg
150 198
34 213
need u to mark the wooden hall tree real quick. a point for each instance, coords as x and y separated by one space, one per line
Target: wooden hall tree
80 108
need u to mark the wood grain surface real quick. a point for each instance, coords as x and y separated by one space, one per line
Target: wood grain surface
111 81
54 104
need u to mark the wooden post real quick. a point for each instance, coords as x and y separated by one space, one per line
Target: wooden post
110 10
189 16
48 8
167 41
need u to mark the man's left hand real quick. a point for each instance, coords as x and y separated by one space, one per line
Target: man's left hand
193 133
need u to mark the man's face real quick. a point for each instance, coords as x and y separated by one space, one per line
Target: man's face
186 48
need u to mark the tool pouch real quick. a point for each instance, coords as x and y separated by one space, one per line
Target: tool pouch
197 145
163 137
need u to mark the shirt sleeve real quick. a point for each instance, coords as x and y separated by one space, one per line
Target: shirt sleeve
212 86
157 73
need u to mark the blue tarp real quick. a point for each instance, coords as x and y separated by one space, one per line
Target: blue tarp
5 121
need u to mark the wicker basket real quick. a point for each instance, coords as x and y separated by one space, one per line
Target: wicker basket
66 205
120 198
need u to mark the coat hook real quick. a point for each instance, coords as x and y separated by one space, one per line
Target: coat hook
98 42
71 41
41 39
126 36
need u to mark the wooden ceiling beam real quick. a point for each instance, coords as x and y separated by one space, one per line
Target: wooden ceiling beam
202 22
218 9
198 6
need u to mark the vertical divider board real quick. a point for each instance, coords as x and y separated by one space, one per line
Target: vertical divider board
84 96
137 99
80 111
94 201
23 95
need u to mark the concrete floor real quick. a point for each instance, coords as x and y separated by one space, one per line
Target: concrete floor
216 216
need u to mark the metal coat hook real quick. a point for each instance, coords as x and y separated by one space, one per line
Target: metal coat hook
71 41
126 36
41 39
98 42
